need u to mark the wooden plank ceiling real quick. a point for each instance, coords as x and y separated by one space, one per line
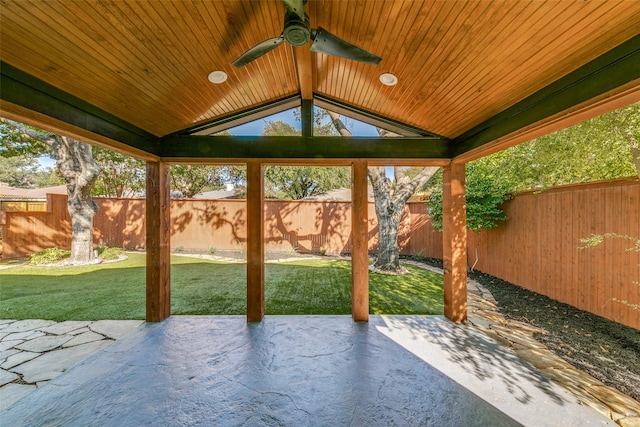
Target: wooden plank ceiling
459 63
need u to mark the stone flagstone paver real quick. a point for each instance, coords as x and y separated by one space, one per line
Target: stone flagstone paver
34 351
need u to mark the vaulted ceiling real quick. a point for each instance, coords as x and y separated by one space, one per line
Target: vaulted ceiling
132 74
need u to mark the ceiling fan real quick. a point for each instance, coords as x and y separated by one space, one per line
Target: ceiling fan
298 32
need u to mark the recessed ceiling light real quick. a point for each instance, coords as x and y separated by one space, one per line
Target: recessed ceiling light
218 77
388 79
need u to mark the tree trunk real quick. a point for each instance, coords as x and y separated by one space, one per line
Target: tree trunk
390 199
75 161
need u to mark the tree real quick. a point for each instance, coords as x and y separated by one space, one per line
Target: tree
190 180
75 162
299 182
597 149
18 171
390 198
485 193
120 175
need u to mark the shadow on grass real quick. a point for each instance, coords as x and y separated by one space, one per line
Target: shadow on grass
199 287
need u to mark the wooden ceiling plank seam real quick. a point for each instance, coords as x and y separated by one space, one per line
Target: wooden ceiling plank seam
407 47
271 58
613 69
524 68
182 55
514 26
257 83
299 147
195 44
338 16
191 25
540 40
25 55
344 30
276 58
368 79
496 14
61 50
180 70
367 95
120 21
452 10
482 71
450 65
235 74
455 58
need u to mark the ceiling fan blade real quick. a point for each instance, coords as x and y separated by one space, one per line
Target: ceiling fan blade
295 6
325 42
258 50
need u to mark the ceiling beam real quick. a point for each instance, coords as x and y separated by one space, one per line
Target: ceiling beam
614 69
293 147
302 56
27 93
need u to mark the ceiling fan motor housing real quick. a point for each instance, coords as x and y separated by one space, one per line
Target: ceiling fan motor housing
296 31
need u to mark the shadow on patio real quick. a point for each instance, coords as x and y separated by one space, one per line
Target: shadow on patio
302 370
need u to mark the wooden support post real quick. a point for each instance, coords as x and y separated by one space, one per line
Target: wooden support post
454 239
255 242
359 242
158 234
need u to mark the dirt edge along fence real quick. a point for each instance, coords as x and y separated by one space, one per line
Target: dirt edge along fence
536 248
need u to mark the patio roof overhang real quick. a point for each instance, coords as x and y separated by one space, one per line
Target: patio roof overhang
474 77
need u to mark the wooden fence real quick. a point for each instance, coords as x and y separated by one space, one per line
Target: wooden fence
537 247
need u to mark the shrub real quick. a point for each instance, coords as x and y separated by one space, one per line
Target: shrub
49 256
110 254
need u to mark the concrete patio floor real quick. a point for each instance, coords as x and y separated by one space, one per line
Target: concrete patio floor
302 371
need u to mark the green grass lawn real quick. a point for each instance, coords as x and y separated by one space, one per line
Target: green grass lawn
199 287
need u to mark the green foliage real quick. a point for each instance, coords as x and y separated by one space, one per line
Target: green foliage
190 180
484 196
299 182
120 175
596 149
18 171
596 239
15 142
109 254
49 256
